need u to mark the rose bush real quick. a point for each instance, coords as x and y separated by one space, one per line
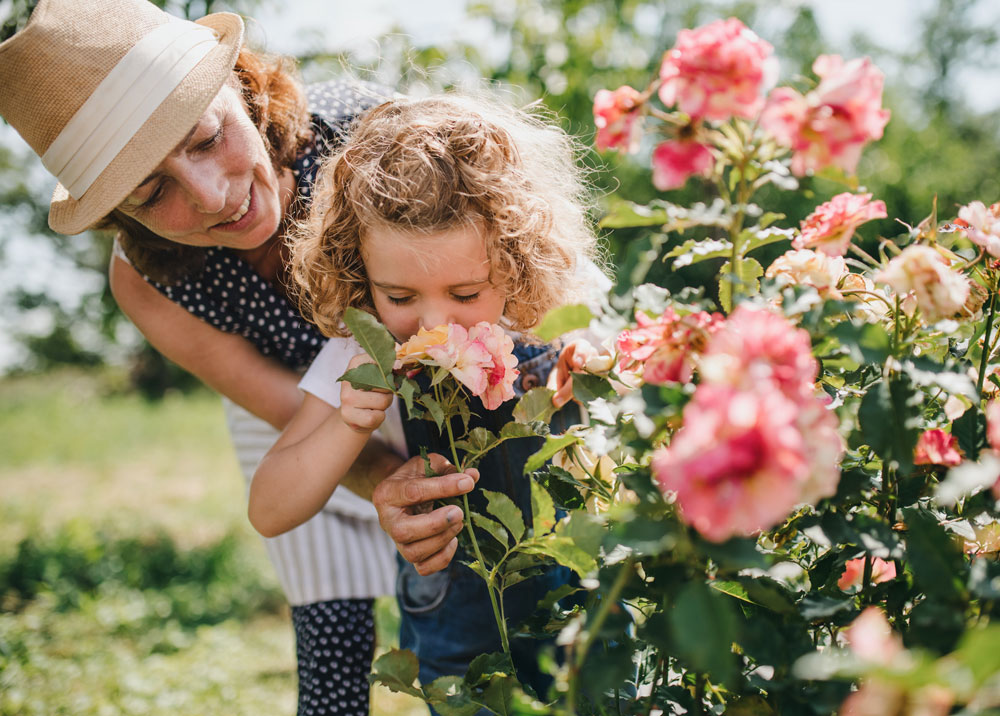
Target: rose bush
803 513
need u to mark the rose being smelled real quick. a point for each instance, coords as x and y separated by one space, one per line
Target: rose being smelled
480 358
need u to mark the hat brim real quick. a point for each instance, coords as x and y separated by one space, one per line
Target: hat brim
160 134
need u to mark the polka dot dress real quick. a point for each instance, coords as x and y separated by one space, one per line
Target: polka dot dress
233 297
335 643
334 639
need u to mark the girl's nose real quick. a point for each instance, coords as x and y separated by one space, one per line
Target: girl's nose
434 316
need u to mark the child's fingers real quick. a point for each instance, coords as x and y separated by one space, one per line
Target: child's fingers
362 420
366 399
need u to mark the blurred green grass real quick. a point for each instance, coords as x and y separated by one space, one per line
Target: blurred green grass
130 580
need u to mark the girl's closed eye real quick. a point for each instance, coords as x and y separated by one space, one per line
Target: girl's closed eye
467 298
399 300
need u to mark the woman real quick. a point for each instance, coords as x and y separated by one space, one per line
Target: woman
199 152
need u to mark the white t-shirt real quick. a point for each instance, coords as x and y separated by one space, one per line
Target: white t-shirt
321 380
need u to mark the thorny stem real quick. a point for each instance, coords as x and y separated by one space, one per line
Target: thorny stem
490 588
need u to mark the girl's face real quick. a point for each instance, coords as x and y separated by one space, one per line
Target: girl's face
425 280
218 187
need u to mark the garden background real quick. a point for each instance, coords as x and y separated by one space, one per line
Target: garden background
129 579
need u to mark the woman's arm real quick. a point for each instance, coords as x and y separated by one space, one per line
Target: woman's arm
227 363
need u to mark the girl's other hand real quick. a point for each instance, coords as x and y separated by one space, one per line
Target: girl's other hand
576 357
362 410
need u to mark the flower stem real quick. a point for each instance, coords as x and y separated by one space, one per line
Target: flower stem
501 624
984 360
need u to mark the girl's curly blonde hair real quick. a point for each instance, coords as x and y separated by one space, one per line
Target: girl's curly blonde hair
432 164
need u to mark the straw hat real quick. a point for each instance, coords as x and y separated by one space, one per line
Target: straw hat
103 90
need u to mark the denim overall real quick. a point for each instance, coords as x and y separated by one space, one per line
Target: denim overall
446 617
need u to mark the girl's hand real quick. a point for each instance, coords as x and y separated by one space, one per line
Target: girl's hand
576 357
362 410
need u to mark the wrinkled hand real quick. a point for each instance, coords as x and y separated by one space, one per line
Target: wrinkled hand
427 538
362 410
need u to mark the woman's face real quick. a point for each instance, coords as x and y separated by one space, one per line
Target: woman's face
426 280
218 187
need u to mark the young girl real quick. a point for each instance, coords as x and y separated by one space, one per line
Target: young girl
440 210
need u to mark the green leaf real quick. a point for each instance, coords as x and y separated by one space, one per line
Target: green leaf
695 251
564 551
755 237
504 509
534 405
587 387
562 320
435 409
543 512
978 652
866 343
367 376
890 419
932 554
585 531
451 696
970 430
373 337
704 628
552 446
534 429
625 214
479 440
407 389
397 669
495 530
745 281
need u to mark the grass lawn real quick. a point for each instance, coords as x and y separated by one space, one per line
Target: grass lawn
130 580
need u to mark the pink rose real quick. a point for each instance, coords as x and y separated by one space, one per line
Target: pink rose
717 71
939 291
854 572
735 463
871 638
480 358
664 349
674 161
982 226
936 447
757 346
808 268
830 227
830 125
616 115
743 459
500 369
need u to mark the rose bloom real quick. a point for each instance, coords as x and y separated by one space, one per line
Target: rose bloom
664 349
675 161
616 116
830 227
741 461
717 71
830 125
854 572
808 268
873 303
936 447
755 345
415 349
982 226
480 358
939 291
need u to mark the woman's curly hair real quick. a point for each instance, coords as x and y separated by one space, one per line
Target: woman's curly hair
276 103
432 164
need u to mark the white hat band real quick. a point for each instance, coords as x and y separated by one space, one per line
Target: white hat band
124 100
